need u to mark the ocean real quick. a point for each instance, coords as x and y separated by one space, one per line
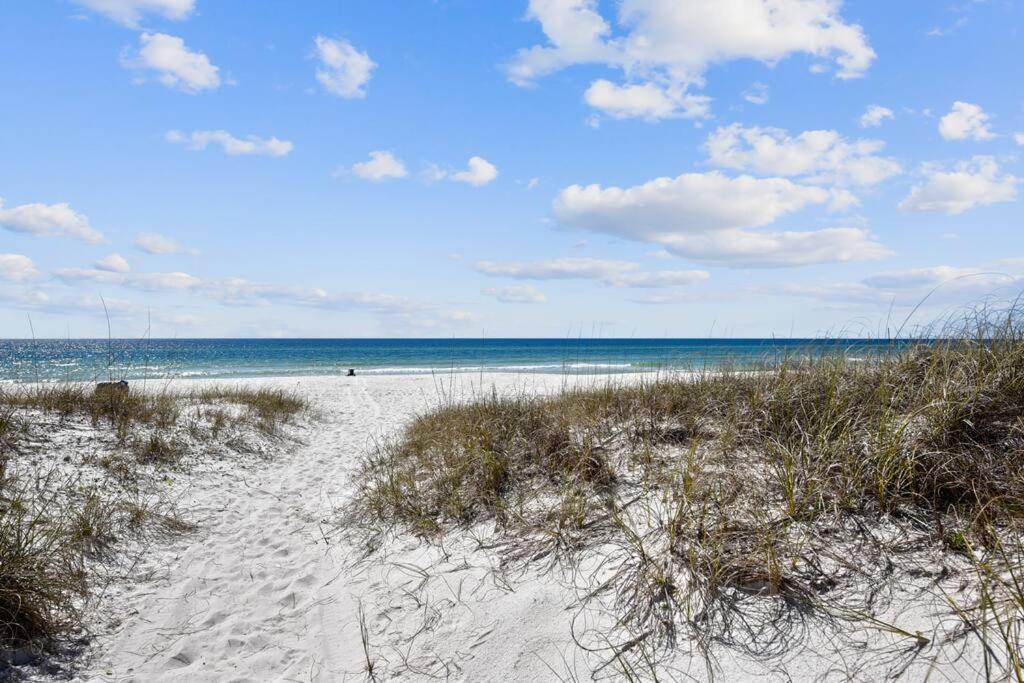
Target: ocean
91 359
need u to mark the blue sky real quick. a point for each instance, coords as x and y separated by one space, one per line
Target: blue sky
513 168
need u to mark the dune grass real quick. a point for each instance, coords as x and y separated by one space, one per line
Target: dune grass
55 521
728 507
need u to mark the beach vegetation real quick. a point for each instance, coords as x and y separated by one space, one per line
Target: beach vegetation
732 508
84 471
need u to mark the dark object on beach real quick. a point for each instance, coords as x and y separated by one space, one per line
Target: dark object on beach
351 372
111 388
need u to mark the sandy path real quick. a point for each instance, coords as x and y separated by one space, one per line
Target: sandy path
262 592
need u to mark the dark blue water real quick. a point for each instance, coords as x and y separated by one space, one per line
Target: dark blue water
89 359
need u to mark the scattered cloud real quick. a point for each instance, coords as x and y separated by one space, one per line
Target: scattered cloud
757 94
664 47
517 294
17 268
965 121
232 146
712 218
147 282
237 291
130 12
177 67
645 101
48 220
1018 138
907 287
969 184
155 243
114 263
611 273
344 71
478 172
875 115
911 278
815 155
383 165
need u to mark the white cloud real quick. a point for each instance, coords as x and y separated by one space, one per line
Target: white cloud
817 155
251 145
965 121
1018 138
177 66
611 273
155 243
130 12
757 94
344 70
114 263
645 101
382 165
669 44
17 268
969 184
479 172
48 220
908 287
147 282
930 277
691 202
874 115
710 217
517 294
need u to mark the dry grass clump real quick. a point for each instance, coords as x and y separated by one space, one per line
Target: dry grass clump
41 568
81 471
731 507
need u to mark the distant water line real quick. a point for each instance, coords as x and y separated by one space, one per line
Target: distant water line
93 359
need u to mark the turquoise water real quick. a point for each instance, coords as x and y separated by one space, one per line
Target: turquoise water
50 359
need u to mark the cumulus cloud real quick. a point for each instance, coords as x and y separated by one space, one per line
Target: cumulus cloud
645 101
176 66
382 165
17 268
668 45
251 145
479 172
969 184
965 121
1018 138
607 272
48 220
874 115
114 263
711 217
344 71
130 12
155 243
517 294
816 155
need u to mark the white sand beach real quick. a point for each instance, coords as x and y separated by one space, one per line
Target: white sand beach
267 588
264 591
